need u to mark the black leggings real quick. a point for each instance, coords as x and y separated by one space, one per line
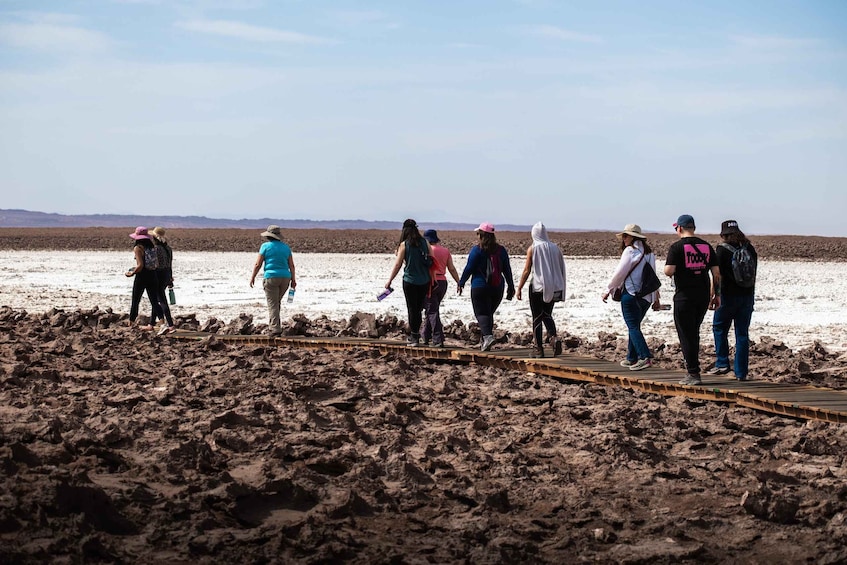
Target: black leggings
164 277
415 295
542 315
148 281
485 301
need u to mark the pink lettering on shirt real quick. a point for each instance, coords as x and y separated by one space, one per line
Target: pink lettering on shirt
696 256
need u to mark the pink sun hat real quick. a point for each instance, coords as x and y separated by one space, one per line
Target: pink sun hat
486 227
140 233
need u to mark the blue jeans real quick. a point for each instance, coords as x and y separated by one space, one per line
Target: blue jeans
634 309
737 309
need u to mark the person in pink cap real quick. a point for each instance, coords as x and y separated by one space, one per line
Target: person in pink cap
490 272
146 279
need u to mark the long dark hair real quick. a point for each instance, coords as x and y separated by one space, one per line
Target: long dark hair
736 239
411 234
647 249
487 241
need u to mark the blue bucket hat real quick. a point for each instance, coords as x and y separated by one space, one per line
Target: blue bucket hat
431 236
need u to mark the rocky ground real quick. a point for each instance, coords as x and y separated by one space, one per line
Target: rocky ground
120 446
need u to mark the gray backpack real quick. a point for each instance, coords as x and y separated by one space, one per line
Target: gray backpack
743 265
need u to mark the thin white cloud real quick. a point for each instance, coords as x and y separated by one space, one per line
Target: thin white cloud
247 32
554 32
365 18
52 37
773 42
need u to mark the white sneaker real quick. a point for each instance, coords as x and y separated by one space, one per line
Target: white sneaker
165 330
641 364
627 363
487 342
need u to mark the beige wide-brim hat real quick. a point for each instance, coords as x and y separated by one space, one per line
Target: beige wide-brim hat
273 232
634 230
159 233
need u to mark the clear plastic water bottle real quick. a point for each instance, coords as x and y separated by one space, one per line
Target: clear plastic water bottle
171 296
290 295
384 294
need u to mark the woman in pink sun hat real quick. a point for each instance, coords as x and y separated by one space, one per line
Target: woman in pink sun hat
146 279
490 273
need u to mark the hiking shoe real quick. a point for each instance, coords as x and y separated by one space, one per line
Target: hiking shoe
413 342
487 342
628 363
691 380
640 365
718 371
538 352
557 347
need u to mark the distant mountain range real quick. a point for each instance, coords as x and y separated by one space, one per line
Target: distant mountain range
28 219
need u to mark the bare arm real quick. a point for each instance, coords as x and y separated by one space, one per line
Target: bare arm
398 264
527 269
291 268
259 262
139 261
451 268
715 301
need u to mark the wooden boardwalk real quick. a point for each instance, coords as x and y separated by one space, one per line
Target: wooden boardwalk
797 401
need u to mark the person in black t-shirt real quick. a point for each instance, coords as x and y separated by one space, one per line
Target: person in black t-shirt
690 261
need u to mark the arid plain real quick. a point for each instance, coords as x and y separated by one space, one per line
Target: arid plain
119 446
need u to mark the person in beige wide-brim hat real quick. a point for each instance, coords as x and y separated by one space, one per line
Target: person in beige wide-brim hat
278 262
636 255
164 274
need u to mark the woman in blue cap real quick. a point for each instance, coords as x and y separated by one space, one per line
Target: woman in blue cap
442 263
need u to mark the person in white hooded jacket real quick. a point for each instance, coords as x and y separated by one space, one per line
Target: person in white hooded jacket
545 268
635 254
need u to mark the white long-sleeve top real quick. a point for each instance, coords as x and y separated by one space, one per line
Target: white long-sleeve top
629 257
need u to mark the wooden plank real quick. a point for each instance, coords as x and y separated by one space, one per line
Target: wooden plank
788 399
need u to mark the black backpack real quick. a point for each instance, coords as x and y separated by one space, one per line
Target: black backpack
743 265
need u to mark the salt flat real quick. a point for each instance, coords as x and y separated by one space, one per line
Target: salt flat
796 302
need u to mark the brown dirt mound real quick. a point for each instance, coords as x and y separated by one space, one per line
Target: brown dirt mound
119 446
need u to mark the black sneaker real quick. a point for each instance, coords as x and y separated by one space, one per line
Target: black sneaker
557 347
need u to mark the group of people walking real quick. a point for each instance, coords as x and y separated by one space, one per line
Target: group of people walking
704 278
153 273
425 263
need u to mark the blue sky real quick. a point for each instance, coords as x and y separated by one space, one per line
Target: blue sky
580 114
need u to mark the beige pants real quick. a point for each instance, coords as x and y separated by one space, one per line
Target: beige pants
275 289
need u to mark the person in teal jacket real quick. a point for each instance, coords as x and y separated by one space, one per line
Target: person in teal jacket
416 253
490 273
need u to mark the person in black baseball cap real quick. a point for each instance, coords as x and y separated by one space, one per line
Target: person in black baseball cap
690 261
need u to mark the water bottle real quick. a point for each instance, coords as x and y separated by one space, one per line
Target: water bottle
171 296
290 295
384 294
